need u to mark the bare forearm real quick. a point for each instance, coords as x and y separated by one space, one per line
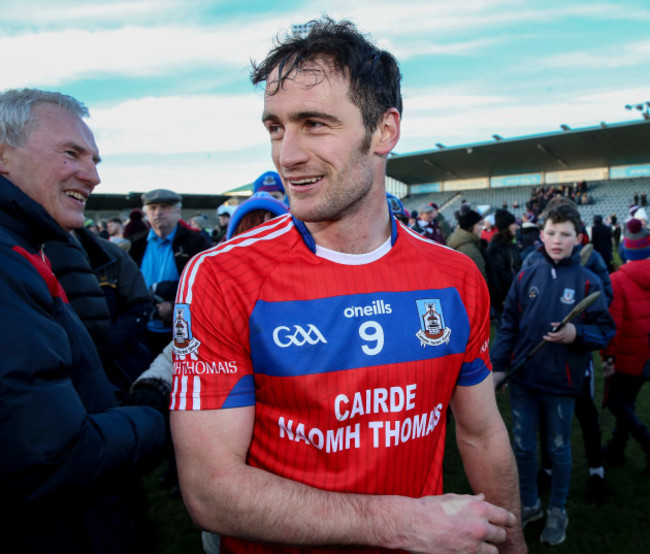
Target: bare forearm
271 509
491 469
227 496
251 503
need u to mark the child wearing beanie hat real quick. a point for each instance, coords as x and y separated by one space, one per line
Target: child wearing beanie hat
270 183
636 241
626 359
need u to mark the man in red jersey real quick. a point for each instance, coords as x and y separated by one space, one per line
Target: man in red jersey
310 387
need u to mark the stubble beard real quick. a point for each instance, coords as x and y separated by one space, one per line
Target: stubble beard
339 201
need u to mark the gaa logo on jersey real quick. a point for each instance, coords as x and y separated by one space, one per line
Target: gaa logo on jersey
568 297
184 342
433 331
533 292
298 336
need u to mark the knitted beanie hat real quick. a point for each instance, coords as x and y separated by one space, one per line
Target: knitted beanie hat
636 241
503 219
467 217
268 182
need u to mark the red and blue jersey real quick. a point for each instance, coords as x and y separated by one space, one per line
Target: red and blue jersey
350 361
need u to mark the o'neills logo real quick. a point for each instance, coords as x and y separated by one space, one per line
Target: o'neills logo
184 343
433 331
377 307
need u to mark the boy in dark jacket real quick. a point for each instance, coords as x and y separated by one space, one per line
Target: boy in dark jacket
546 386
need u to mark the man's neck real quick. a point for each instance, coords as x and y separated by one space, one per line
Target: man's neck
353 235
162 235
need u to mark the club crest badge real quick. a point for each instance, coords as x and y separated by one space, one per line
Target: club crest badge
533 292
569 296
433 331
184 343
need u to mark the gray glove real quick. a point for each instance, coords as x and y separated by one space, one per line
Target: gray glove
159 374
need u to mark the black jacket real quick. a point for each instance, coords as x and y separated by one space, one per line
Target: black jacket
187 243
71 457
107 290
601 237
504 258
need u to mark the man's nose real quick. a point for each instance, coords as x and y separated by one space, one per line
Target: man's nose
291 149
88 174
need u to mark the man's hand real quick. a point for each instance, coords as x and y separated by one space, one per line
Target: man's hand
455 523
498 377
165 311
566 335
608 367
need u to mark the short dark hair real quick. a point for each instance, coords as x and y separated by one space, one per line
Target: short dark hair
562 213
373 73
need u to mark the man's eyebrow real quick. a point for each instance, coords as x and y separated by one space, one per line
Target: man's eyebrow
81 150
301 116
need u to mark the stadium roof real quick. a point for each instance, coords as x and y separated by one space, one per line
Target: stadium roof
608 145
117 202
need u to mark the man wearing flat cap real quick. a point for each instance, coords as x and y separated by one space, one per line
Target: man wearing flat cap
427 224
161 253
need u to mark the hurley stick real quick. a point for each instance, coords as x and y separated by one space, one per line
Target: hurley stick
575 312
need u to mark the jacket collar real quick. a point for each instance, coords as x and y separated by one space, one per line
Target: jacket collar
26 217
574 258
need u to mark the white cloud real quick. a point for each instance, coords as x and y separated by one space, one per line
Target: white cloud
456 119
170 125
46 13
210 175
53 58
620 55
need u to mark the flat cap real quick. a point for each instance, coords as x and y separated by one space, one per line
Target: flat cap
160 196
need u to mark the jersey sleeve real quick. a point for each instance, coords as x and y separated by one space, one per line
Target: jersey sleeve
212 364
476 364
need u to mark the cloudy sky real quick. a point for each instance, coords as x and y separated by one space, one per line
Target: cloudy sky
167 81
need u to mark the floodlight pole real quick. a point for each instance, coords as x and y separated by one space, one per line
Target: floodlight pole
643 107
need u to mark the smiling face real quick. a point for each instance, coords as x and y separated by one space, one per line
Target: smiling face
328 161
559 239
56 166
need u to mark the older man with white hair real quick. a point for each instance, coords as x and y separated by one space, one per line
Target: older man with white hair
71 456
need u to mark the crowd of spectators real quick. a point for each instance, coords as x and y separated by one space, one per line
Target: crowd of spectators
540 196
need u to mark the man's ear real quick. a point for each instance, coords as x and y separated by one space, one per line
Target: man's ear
3 158
388 132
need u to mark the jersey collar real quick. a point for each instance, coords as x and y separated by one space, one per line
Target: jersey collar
311 243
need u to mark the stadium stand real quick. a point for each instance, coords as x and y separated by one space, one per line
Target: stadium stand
609 197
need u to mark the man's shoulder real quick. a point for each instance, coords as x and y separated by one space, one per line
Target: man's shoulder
440 259
188 236
266 244
535 271
421 242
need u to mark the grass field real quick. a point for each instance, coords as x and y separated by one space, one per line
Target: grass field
620 526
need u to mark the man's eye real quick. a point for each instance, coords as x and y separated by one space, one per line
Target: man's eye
315 124
70 153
